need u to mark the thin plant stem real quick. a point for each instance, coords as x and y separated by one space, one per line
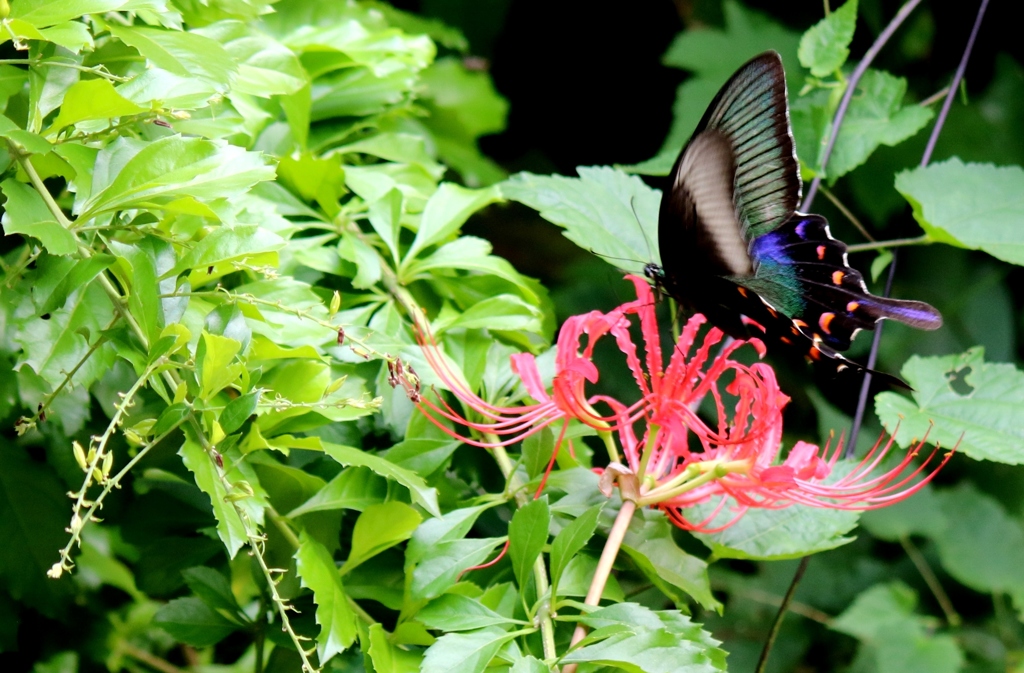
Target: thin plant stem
851 87
935 97
149 659
762 663
604 568
921 563
847 213
940 121
894 243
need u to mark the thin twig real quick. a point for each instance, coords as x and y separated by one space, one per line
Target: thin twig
851 88
921 563
892 243
862 400
762 663
847 213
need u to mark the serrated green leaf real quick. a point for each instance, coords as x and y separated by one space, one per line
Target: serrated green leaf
422 495
224 244
650 646
529 664
230 527
825 47
238 410
186 54
171 416
92 99
446 211
379 527
571 540
26 213
191 621
215 364
464 652
876 116
501 312
72 35
527 534
604 210
960 398
976 206
337 621
171 168
453 612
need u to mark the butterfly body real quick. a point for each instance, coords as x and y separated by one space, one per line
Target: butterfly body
735 248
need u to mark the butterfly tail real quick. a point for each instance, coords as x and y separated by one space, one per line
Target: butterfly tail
913 313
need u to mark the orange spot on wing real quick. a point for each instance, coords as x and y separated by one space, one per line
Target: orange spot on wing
799 323
837 277
742 291
852 306
786 340
824 321
814 354
821 252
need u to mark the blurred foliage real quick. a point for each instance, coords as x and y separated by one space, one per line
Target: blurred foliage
218 216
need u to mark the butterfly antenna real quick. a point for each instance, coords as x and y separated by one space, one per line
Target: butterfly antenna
632 206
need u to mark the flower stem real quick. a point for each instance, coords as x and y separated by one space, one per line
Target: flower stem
762 664
919 561
604 568
924 239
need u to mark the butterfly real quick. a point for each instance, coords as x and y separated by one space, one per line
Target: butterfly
735 248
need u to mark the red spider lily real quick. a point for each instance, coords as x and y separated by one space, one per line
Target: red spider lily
681 460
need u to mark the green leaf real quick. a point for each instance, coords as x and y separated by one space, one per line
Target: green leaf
42 13
230 527
644 641
215 364
825 47
213 589
776 534
875 117
386 657
171 168
895 639
265 67
422 495
334 615
453 612
191 621
527 534
238 410
529 664
380 526
604 210
35 513
976 206
26 213
443 563
650 544
80 275
223 244
446 211
354 488
571 540
981 544
186 54
92 99
960 398
72 35
464 652
500 312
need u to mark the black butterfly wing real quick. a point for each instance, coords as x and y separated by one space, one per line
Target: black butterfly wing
734 247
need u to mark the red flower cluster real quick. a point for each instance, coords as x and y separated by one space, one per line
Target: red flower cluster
679 460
